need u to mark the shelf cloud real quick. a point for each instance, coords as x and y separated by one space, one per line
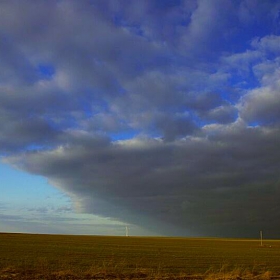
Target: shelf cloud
163 115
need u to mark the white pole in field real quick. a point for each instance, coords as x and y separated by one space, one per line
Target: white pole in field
126 231
261 235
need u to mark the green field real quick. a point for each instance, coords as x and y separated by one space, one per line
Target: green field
144 257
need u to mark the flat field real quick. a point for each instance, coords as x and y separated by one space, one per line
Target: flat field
31 256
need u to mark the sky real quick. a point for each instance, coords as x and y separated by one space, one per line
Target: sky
159 115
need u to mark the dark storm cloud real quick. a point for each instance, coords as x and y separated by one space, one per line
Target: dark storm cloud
21 134
15 66
166 116
222 114
177 126
192 186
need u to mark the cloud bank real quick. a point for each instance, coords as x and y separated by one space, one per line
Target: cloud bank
159 114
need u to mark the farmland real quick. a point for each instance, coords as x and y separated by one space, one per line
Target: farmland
31 256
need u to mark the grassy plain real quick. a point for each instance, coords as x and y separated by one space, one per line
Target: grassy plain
26 256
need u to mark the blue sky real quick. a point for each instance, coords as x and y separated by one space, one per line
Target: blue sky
160 115
30 204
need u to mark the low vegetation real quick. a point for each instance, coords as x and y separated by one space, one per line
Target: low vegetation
26 256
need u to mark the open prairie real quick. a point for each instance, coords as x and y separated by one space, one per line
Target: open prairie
31 256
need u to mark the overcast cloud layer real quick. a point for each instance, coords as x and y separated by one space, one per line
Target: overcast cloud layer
163 114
